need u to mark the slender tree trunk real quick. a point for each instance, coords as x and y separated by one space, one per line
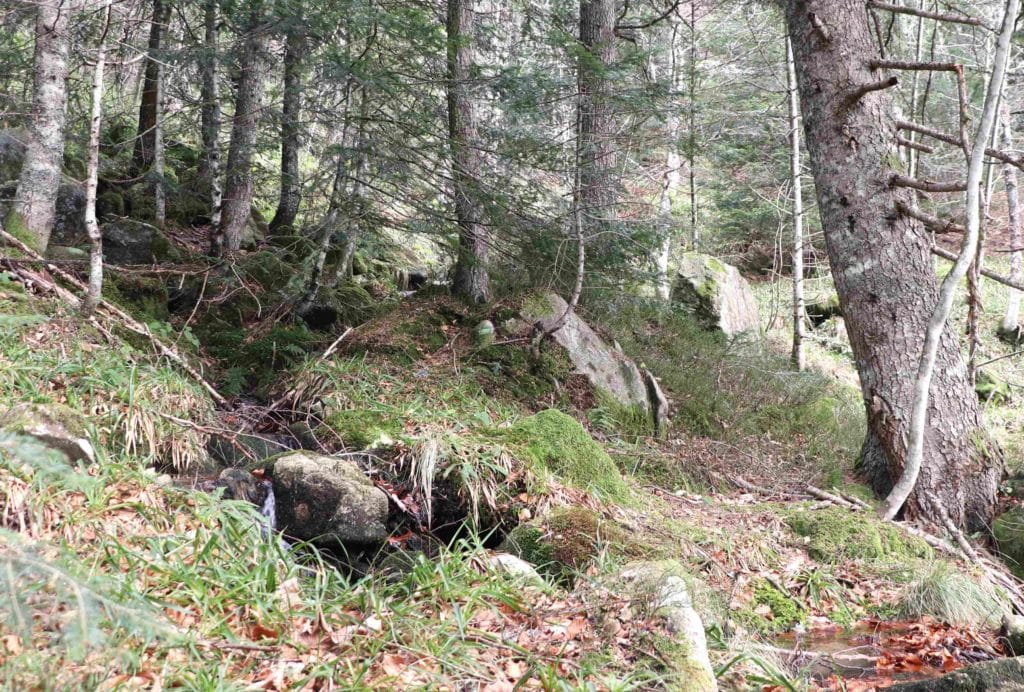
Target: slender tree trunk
672 178
691 143
798 357
95 292
236 207
159 187
471 280
1011 319
915 80
32 214
291 129
145 142
209 171
882 267
597 193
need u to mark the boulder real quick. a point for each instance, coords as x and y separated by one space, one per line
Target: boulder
328 501
54 425
1008 530
127 241
662 591
69 218
255 231
1001 675
717 294
12 153
483 334
1013 633
607 369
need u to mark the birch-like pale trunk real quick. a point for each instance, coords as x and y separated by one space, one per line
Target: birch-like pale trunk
798 356
32 214
1011 318
209 169
92 226
968 250
672 179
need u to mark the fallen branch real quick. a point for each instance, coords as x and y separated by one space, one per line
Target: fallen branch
834 499
112 310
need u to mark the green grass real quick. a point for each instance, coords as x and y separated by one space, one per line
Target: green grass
948 595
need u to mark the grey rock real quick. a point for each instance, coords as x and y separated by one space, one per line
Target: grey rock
607 369
69 214
328 501
54 425
128 241
12 152
514 567
1013 632
717 294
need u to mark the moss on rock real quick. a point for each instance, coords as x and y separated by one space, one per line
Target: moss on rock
558 443
360 428
835 534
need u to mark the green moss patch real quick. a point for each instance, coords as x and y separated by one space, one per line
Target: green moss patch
361 429
1008 530
786 613
831 535
561 445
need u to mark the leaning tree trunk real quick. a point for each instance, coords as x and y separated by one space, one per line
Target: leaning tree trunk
32 214
288 205
236 206
596 143
209 165
471 279
149 108
883 270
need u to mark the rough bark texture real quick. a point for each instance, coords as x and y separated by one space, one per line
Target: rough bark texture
236 206
597 193
31 216
145 142
209 167
291 129
883 271
1011 318
471 279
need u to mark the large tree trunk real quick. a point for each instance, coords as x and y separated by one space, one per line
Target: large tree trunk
883 270
32 214
149 108
291 129
209 166
596 143
471 279
236 207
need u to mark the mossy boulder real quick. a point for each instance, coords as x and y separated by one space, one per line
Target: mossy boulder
991 388
835 534
1008 530
266 268
717 294
144 296
558 443
128 241
255 230
567 540
55 426
328 501
824 309
360 428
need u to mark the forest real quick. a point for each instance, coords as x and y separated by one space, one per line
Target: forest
511 344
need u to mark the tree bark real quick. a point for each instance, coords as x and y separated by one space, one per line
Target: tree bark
145 141
883 271
1011 318
209 167
597 155
471 280
798 356
32 214
95 293
236 206
291 130
672 178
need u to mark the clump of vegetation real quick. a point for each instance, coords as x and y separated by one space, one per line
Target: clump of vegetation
781 611
360 428
948 595
835 534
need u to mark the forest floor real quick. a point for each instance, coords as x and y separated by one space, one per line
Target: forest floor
121 576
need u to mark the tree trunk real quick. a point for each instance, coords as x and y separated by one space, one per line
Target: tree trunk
798 357
691 141
672 178
883 270
236 207
471 279
291 129
95 292
145 141
209 166
597 193
32 214
1011 318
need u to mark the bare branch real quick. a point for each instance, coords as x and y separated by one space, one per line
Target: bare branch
899 9
912 65
987 273
997 154
864 89
898 180
934 224
819 26
904 142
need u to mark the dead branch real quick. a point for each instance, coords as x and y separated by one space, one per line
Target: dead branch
903 141
912 65
111 310
899 9
834 499
864 89
934 224
819 26
898 180
997 154
987 273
